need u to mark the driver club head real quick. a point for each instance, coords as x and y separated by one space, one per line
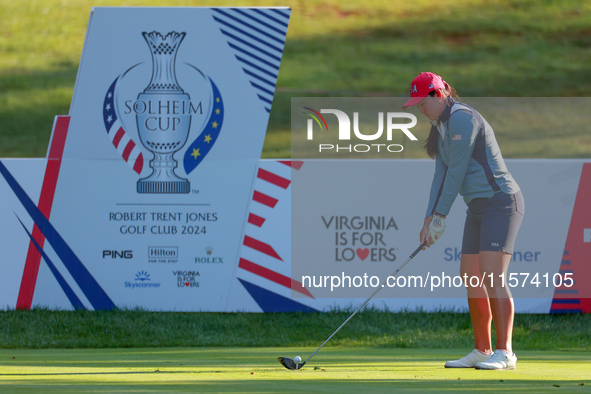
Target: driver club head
289 363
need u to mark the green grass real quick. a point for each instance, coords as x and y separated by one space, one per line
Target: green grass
42 328
333 370
520 48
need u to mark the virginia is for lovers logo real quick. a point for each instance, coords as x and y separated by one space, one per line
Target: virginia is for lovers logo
179 101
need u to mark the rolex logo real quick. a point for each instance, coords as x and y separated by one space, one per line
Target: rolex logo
209 258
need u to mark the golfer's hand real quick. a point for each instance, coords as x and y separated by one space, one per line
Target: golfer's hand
424 236
436 227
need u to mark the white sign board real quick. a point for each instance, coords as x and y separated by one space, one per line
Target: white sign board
153 193
166 129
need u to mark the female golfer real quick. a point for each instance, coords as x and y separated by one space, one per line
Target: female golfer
468 161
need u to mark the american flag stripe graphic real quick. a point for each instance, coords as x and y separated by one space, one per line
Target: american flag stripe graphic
297 164
264 263
127 148
118 135
264 199
273 178
261 247
257 38
576 298
273 276
256 219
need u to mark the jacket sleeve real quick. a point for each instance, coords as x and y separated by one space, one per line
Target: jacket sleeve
462 131
436 185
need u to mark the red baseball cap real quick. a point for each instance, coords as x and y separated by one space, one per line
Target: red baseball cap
421 86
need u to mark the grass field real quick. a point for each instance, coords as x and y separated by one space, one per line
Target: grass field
43 329
122 351
333 370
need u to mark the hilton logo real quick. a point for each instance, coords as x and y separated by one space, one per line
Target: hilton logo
163 254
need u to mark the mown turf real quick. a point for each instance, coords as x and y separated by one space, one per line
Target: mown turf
333 370
42 328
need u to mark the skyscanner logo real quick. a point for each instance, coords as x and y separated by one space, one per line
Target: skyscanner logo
389 123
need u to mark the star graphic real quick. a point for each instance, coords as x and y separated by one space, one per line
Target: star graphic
108 107
109 119
195 153
214 125
217 100
217 111
207 138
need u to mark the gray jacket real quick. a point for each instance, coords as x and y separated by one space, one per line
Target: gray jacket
469 161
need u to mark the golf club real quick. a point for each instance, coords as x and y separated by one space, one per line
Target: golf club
289 363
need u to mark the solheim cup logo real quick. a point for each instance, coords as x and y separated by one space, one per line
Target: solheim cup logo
167 131
164 115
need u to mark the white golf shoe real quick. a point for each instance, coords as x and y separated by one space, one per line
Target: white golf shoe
469 361
500 360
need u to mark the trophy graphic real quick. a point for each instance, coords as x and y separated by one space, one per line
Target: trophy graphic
164 118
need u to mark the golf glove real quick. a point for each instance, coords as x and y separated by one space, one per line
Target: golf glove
436 227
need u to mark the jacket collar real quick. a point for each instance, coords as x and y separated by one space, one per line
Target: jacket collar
444 117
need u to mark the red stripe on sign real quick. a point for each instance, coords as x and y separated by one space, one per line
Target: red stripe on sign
264 199
297 164
118 136
31 271
578 247
127 151
575 304
139 163
255 219
273 178
261 247
273 276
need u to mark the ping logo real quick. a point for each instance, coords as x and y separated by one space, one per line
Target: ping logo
121 254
